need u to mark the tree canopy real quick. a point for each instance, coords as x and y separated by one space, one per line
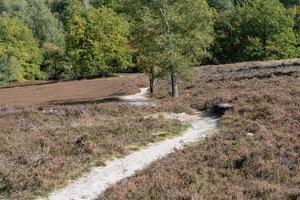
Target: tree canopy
255 30
74 39
221 5
37 16
172 36
20 55
97 43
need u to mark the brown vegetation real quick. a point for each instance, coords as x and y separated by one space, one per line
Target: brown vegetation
59 92
256 154
43 147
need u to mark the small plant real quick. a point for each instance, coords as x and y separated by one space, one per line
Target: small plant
253 143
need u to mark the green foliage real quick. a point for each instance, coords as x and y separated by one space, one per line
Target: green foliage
166 36
20 56
72 9
282 45
290 2
46 28
55 64
11 70
97 43
220 5
44 25
295 13
171 36
36 15
116 5
257 30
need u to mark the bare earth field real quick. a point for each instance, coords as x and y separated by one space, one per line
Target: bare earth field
72 91
256 154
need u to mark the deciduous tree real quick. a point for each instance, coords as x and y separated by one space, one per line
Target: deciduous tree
97 43
255 30
20 56
172 36
221 5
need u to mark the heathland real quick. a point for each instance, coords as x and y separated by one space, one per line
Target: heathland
256 153
65 63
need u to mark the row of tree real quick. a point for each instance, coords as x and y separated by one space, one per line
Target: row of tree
256 30
74 39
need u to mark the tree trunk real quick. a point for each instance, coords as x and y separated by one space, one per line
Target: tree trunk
152 80
86 3
174 86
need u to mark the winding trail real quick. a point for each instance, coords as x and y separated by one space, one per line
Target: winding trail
93 184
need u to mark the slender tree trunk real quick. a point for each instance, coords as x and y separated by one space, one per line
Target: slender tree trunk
151 80
86 3
174 86
170 46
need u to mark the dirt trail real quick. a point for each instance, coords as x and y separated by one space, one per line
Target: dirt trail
99 179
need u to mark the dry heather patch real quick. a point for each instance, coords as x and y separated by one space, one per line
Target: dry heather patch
255 156
41 148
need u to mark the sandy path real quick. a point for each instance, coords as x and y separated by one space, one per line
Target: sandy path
138 99
99 179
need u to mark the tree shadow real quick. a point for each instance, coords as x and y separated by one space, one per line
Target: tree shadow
86 101
29 84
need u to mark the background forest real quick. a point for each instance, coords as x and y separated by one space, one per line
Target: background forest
76 39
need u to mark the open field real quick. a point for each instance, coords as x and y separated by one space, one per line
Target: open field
42 147
85 91
54 139
74 126
256 154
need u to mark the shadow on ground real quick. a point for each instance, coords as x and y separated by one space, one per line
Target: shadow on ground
86 101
